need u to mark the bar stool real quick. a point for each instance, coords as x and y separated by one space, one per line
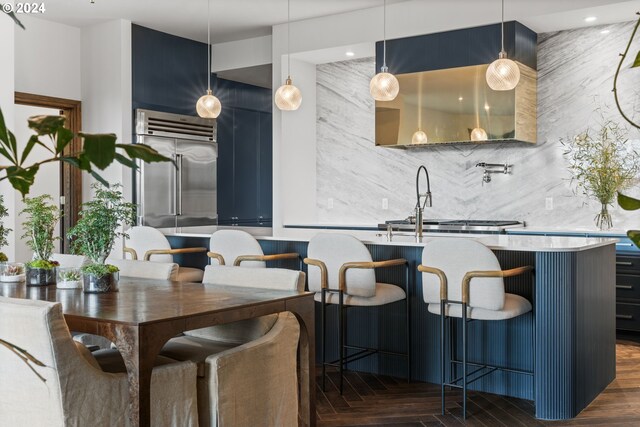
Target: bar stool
345 276
476 293
237 247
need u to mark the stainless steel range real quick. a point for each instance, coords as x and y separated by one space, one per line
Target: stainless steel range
453 225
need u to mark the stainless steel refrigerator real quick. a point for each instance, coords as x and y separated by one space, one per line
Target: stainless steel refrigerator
185 193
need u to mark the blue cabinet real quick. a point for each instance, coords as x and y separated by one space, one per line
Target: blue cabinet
245 165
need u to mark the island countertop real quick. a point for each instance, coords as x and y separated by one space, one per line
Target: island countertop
525 243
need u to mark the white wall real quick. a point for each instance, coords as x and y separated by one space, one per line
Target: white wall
6 105
241 54
47 58
106 94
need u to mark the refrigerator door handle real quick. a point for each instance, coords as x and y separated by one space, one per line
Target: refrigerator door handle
179 186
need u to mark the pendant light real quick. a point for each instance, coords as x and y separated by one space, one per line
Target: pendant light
503 73
384 86
419 136
208 106
479 134
288 97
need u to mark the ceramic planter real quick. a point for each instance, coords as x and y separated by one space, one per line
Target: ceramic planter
68 278
12 272
100 284
40 276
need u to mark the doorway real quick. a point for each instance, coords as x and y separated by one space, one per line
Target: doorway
61 181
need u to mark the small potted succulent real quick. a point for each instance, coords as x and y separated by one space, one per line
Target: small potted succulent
95 233
42 217
11 272
69 278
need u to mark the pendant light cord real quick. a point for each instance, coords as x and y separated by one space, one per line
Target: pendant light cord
502 27
384 34
209 45
288 39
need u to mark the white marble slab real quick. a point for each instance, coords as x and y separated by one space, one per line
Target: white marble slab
574 67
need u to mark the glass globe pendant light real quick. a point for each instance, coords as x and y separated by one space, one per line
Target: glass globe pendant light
419 137
208 106
479 134
384 86
503 73
288 97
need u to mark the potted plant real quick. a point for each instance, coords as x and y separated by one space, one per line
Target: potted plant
42 218
96 232
69 278
602 163
4 232
11 272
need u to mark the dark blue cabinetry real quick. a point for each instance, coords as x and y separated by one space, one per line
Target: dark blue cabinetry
169 74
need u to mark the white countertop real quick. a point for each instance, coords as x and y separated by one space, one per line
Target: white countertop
493 241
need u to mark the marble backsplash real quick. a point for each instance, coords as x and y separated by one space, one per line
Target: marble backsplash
575 76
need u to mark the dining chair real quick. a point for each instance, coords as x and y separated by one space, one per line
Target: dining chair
68 260
462 278
239 248
149 244
247 371
345 277
69 387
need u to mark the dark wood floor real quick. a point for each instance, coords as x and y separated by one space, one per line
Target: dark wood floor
377 400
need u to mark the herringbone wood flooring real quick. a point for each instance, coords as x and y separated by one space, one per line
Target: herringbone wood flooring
377 400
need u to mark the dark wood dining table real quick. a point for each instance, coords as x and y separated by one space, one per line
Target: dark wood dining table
144 314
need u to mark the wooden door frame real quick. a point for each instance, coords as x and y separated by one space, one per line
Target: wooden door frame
70 177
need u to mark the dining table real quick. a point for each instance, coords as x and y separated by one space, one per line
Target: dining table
144 314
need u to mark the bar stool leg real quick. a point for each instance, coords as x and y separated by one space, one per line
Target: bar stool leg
323 334
442 354
341 336
464 361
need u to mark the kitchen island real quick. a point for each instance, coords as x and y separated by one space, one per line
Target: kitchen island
567 342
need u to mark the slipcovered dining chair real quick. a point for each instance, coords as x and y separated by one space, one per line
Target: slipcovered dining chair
462 278
149 244
345 277
68 260
69 388
239 248
247 372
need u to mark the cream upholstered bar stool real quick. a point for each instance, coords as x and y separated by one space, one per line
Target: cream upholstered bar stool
462 278
345 277
239 248
149 244
78 391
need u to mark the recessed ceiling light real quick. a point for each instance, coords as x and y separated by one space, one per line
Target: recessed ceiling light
605 31
349 53
590 19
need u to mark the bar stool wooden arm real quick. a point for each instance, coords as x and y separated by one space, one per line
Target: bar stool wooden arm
273 257
217 257
132 252
466 281
324 276
342 274
149 253
443 279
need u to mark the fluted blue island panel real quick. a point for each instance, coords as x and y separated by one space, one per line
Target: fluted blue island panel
568 341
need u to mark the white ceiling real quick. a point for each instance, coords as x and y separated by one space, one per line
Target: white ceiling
240 19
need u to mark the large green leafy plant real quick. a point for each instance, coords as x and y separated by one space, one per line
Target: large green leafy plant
99 223
602 163
635 64
98 152
41 219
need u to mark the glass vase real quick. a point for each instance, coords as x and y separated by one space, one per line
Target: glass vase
603 219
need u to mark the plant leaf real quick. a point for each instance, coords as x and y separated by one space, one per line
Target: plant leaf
126 161
3 129
100 149
636 62
15 18
628 203
22 179
143 152
634 235
33 140
99 178
46 125
63 138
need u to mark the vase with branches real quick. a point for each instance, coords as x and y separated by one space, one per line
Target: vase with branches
602 163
